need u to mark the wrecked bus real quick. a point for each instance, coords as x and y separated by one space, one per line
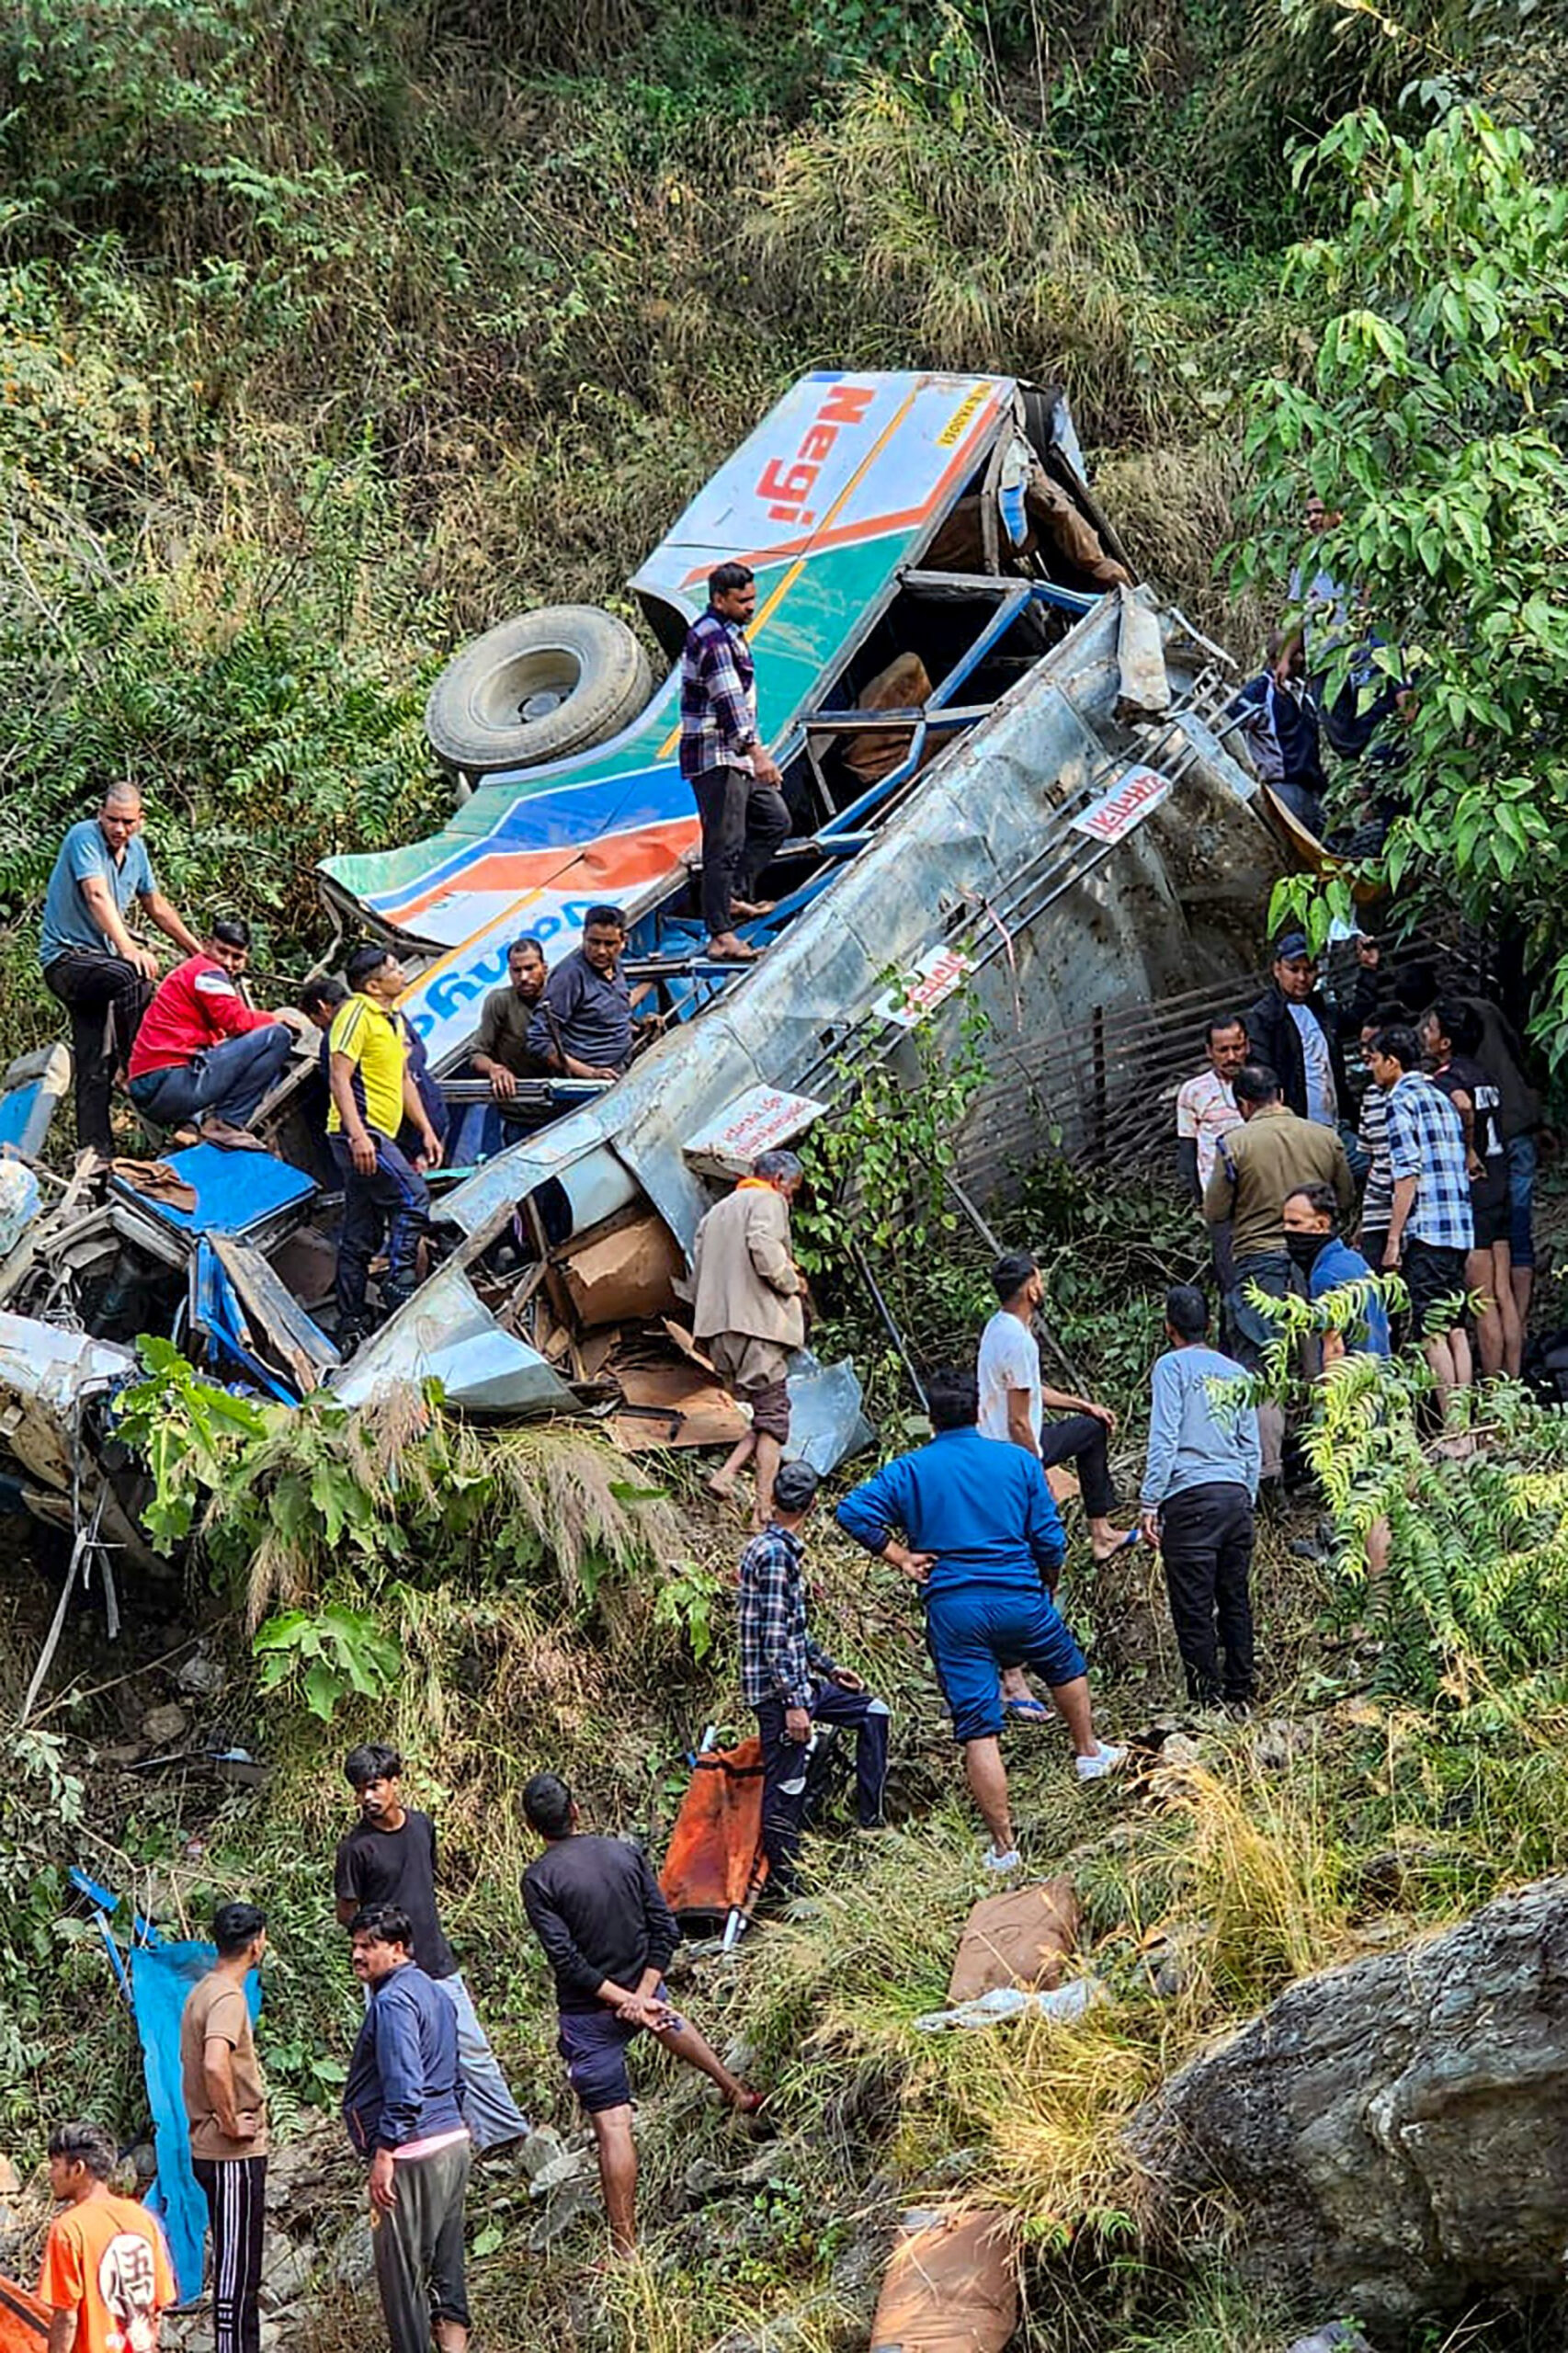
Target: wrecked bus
1004 777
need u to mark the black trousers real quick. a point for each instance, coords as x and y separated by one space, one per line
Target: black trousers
1080 1440
784 1769
743 824
394 1201
235 2191
1206 1545
106 998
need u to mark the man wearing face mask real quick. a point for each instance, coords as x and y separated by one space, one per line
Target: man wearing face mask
1311 1219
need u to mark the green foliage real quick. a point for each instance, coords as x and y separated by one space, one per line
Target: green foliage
879 1168
326 1656
317 1503
1470 1606
1438 315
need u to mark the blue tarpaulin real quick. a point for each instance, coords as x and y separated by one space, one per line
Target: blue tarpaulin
161 1977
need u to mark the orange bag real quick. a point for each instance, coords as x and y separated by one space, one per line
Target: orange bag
949 2285
715 1866
24 2322
1019 1938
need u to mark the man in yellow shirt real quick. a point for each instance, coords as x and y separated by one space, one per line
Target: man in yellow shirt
372 1096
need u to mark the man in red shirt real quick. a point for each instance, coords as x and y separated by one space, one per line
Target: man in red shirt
202 1052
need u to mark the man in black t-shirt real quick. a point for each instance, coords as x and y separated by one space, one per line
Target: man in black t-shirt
389 1858
1450 1036
607 1934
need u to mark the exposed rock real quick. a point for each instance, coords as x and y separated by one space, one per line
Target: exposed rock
162 1727
352 2260
564 2208
1169 1956
1275 1742
567 2166
285 2272
10 2180
1339 2336
543 2150
1180 1748
1390 2134
201 1678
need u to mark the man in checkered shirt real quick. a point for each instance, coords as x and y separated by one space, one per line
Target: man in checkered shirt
793 1684
733 779
1432 1227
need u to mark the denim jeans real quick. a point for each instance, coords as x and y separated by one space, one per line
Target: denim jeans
225 1082
1521 1157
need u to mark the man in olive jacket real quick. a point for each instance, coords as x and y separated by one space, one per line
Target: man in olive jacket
749 1314
1256 1167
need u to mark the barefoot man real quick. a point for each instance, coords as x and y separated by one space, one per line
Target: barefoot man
607 1935
749 1314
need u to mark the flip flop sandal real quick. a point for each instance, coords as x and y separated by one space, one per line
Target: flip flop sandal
1032 1711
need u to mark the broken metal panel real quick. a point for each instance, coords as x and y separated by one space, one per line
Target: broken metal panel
275 1324
574 1153
248 1194
34 1086
447 1334
47 1377
1222 765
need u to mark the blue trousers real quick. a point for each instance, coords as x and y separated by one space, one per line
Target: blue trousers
784 1768
225 1082
394 1201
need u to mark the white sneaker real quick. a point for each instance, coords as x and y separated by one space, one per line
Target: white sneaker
1105 1760
1000 1863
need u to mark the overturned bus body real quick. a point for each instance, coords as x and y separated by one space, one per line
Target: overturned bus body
1004 783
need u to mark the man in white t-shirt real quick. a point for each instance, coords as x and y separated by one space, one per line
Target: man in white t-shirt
1206 1107
1206 1111
1013 1402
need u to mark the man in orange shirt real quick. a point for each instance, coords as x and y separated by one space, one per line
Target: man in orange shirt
106 2274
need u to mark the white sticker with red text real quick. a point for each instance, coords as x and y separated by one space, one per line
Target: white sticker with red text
934 979
1121 811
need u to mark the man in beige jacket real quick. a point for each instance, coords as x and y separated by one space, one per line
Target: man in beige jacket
749 1315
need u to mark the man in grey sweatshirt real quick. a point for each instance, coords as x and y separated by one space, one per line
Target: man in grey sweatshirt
1200 1486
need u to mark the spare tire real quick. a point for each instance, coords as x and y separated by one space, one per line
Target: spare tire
536 688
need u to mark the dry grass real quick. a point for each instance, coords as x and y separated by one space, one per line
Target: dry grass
1176 508
962 244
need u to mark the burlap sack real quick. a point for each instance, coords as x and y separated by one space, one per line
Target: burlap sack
1019 1938
950 2286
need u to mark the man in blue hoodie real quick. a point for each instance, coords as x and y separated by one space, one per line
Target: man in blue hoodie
402 2107
984 1539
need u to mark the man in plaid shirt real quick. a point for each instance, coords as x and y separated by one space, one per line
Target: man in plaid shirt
735 783
793 1684
1432 1227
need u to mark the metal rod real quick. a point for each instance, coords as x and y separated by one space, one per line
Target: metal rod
869 1278
992 1242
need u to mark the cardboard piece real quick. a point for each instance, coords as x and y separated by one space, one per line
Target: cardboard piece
677 1407
951 2285
1021 1937
623 1276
